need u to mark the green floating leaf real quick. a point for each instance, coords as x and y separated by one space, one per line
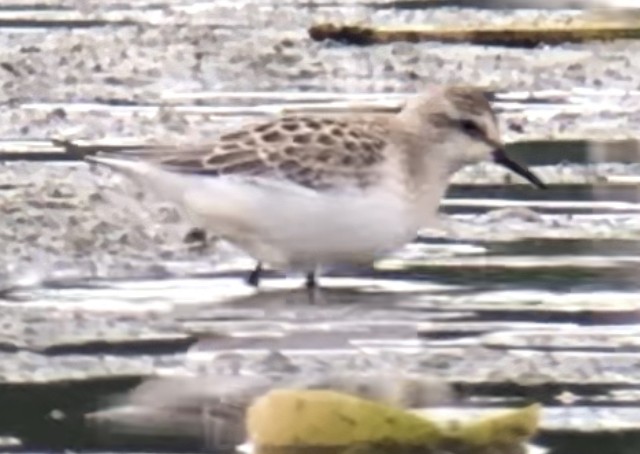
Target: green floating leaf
507 428
328 418
321 421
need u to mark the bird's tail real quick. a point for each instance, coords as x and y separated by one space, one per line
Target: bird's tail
148 175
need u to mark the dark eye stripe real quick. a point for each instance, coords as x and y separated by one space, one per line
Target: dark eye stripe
471 128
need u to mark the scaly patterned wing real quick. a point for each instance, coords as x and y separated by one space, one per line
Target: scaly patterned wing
315 152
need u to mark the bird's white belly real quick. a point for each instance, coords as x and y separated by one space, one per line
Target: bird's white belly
290 226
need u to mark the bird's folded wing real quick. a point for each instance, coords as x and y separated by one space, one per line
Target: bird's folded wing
312 152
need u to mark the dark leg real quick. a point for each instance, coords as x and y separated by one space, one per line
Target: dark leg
311 282
313 288
254 277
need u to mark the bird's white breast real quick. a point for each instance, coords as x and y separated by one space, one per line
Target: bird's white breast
287 225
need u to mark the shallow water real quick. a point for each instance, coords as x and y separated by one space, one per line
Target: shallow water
511 307
523 296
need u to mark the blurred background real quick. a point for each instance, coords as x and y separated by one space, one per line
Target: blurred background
521 296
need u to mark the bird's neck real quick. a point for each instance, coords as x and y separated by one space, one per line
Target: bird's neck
432 188
425 161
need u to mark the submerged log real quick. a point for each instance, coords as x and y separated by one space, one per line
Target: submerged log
528 36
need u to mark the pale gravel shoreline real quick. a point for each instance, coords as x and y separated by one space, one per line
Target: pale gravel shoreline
58 217
68 220
67 224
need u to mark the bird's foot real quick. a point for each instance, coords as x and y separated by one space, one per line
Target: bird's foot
311 281
313 288
254 277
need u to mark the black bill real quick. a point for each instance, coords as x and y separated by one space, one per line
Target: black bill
500 157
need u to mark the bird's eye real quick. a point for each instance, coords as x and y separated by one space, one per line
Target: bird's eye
471 128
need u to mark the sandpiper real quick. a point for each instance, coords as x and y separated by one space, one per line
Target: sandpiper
308 192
